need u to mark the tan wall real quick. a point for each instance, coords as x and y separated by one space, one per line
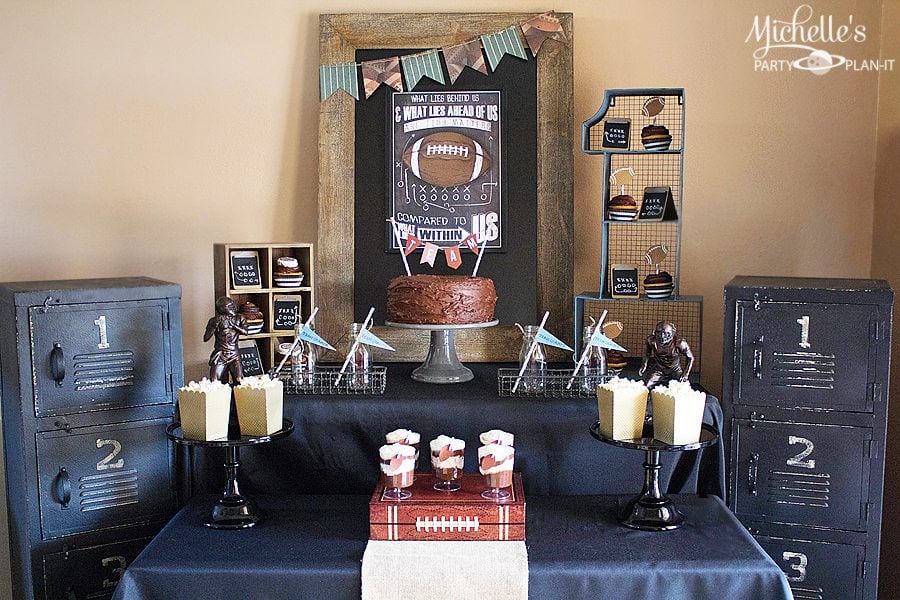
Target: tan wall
886 265
134 135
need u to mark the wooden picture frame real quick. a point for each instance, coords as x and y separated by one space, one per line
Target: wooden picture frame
340 36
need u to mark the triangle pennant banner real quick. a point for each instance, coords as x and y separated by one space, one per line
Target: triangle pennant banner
412 242
370 339
540 28
425 64
461 56
308 335
545 337
338 77
454 260
601 341
471 243
503 42
386 71
429 254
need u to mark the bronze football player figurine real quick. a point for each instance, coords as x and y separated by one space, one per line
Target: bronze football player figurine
227 326
662 357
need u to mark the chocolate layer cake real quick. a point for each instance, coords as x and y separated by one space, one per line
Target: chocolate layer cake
440 299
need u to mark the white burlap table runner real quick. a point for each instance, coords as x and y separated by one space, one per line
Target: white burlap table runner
445 570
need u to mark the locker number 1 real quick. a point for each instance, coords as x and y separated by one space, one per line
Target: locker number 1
804 331
100 322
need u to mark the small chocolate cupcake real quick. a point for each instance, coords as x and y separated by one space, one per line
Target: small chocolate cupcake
615 361
655 137
622 208
253 317
287 272
658 286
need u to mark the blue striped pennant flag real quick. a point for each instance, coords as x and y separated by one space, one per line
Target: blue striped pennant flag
545 337
338 77
601 341
424 64
313 338
503 42
370 339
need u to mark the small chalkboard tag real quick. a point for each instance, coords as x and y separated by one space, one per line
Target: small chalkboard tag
615 133
624 281
286 311
251 362
657 205
245 269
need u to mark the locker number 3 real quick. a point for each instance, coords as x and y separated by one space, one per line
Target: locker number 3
107 462
799 459
799 566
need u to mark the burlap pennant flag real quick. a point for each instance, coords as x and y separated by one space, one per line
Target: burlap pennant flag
386 71
461 56
454 260
503 42
424 64
542 27
338 77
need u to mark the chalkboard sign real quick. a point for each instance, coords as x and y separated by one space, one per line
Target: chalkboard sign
286 311
251 362
624 281
615 133
657 205
245 271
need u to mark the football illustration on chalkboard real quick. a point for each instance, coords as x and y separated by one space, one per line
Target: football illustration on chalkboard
446 159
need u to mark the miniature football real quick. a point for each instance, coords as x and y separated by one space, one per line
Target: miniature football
446 159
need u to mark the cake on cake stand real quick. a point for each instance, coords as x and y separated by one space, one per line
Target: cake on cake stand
442 365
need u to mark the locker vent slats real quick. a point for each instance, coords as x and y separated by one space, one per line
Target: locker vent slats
803 370
108 490
103 370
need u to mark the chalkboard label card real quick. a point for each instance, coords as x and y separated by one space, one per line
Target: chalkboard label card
657 205
245 273
615 133
251 361
286 311
624 281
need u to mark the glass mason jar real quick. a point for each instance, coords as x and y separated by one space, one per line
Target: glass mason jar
593 370
534 376
360 368
303 364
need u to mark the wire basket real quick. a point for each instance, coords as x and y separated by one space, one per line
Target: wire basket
324 382
554 383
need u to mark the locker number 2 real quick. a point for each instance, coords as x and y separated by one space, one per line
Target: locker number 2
799 566
804 331
798 460
107 463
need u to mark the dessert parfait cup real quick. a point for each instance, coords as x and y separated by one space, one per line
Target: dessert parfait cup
495 463
398 469
407 438
447 457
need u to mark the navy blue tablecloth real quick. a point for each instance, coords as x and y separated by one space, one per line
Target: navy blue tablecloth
334 447
311 546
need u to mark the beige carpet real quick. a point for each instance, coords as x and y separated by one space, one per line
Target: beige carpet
445 570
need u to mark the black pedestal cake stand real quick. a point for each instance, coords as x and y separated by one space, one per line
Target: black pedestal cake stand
232 511
652 510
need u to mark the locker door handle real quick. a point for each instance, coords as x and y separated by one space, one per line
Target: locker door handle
758 357
57 364
752 473
63 487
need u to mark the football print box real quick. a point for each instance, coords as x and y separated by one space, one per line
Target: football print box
462 515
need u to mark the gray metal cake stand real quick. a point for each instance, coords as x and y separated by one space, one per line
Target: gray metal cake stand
442 365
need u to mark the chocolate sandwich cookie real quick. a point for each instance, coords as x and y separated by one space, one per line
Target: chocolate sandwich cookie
287 272
615 359
655 137
253 317
658 286
622 208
